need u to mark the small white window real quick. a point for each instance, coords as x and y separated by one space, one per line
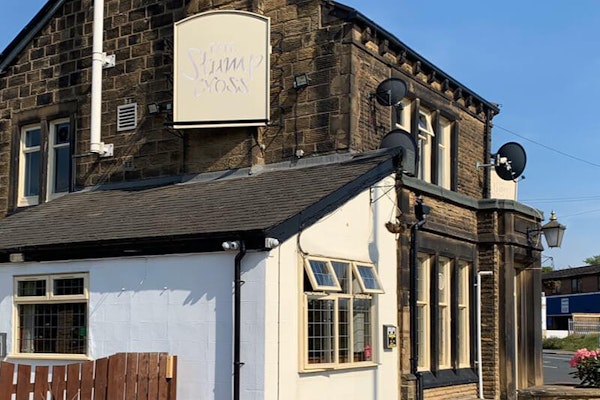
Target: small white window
30 165
425 123
403 113
321 275
59 158
367 278
444 159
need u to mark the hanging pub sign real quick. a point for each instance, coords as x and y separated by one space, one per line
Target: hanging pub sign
221 70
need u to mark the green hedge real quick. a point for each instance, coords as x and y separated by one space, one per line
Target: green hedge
572 343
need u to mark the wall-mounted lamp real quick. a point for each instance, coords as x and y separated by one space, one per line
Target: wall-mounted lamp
553 232
300 81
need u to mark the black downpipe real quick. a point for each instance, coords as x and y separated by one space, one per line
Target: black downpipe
487 135
414 358
421 212
237 324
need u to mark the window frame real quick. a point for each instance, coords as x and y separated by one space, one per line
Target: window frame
308 267
444 153
352 293
42 117
48 298
444 349
51 194
444 313
425 137
403 115
24 150
423 297
463 323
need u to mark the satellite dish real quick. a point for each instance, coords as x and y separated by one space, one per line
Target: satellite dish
403 139
390 92
510 161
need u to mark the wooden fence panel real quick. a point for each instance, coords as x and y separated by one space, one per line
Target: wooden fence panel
87 380
72 381
130 376
7 371
23 379
58 386
40 387
143 377
116 376
153 376
101 378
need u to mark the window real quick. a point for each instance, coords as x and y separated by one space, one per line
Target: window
463 323
434 136
423 318
44 175
403 114
31 140
443 153
338 300
576 286
51 314
425 139
59 158
444 328
443 307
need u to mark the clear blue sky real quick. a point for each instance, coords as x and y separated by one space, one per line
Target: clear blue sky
539 60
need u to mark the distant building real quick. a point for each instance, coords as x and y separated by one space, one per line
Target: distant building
571 294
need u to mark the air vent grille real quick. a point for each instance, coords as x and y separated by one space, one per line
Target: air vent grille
127 117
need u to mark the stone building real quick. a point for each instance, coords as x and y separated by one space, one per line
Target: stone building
360 263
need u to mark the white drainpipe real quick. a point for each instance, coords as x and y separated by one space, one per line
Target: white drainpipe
479 357
99 61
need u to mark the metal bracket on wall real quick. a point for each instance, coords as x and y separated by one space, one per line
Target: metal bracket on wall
108 61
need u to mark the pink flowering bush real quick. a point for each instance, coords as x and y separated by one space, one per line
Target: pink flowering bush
587 363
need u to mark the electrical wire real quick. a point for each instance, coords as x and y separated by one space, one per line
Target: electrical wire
562 153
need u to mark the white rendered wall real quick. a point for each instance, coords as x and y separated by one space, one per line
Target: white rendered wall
354 231
179 304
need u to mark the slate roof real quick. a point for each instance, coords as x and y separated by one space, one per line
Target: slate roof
274 203
572 272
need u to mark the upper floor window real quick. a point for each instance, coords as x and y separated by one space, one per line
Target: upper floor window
338 312
44 174
433 134
576 286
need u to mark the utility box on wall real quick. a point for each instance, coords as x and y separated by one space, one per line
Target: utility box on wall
389 337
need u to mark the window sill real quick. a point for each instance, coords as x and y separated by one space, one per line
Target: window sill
49 356
448 377
329 368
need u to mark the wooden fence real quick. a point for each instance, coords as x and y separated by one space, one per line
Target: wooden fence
123 376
